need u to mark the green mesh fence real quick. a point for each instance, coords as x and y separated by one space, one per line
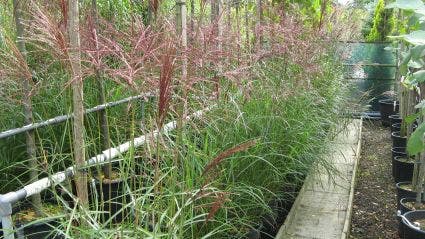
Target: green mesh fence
371 83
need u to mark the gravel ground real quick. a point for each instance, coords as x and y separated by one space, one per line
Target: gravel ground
374 205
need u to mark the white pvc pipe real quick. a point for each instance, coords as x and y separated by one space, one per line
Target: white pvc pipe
62 118
105 156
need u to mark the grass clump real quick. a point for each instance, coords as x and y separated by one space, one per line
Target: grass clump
273 112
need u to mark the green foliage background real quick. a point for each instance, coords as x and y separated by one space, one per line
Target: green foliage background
382 24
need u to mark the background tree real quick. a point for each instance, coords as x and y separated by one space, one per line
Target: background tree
26 85
383 23
77 101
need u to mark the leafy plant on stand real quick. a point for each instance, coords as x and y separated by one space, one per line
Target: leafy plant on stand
412 70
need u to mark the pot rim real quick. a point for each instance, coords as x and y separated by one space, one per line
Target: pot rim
402 183
388 101
38 222
397 158
408 224
411 199
397 134
394 148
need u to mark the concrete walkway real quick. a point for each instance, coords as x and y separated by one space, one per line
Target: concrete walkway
322 209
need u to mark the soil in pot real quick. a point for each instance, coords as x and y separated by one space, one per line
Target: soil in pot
412 206
406 205
387 108
404 190
409 204
416 218
403 169
44 228
421 224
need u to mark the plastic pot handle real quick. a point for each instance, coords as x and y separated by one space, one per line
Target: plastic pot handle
414 225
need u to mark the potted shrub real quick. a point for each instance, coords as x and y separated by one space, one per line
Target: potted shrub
387 108
32 225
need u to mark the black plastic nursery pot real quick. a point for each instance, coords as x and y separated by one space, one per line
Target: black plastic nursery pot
387 107
112 194
395 127
395 119
107 197
403 192
397 152
29 225
403 169
410 231
44 229
404 207
398 141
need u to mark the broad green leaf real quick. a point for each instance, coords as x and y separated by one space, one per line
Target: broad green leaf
416 64
406 54
413 20
409 81
403 65
419 76
421 105
406 4
415 79
417 52
415 143
414 38
411 118
403 69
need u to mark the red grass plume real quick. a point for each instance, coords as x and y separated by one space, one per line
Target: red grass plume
154 5
165 80
218 203
47 32
229 152
136 52
13 64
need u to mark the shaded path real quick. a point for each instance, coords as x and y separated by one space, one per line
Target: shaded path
374 200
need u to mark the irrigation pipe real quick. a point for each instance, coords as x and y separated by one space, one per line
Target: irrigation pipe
104 157
62 118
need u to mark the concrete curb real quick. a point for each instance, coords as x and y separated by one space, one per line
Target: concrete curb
347 224
324 208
